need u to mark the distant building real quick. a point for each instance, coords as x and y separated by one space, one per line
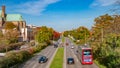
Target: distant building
16 19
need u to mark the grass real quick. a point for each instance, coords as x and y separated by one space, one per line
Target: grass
98 64
58 59
63 39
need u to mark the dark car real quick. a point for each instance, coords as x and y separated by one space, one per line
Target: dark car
55 45
70 61
43 59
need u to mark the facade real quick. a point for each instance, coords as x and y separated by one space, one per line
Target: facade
16 19
26 34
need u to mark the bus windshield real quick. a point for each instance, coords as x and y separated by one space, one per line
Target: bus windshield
87 52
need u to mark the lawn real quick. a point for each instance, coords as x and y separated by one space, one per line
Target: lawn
63 39
58 59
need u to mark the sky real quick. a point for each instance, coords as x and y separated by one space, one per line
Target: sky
61 15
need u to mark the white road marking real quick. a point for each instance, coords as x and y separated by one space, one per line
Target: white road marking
50 61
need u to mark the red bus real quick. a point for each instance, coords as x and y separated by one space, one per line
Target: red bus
85 54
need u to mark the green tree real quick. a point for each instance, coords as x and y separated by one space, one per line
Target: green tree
44 35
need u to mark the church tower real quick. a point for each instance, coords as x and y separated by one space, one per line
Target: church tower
3 16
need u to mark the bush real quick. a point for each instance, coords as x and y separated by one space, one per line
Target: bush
13 58
39 47
112 61
10 47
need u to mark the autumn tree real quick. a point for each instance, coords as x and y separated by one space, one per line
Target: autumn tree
11 33
105 40
44 35
9 25
82 34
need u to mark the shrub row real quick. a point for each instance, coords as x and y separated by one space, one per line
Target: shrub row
16 57
10 46
13 58
113 61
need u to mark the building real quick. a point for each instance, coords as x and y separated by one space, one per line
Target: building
16 19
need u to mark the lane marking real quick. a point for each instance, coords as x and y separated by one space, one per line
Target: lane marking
34 64
50 61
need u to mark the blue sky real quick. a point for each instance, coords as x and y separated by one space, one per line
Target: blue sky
59 14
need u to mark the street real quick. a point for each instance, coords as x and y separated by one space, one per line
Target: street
33 62
50 52
71 52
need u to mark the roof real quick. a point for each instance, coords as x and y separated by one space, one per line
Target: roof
14 17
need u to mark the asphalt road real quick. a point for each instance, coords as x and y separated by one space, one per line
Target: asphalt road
72 53
33 62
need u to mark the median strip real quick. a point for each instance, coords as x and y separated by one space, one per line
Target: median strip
58 59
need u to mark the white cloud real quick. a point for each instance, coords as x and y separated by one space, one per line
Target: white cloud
103 2
34 7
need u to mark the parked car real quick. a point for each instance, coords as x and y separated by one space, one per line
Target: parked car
70 61
43 59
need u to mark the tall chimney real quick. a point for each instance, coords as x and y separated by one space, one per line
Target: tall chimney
3 11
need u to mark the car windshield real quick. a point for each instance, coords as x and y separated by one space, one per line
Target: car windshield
43 57
87 52
70 59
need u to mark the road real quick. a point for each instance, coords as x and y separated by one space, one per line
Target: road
50 52
33 62
72 53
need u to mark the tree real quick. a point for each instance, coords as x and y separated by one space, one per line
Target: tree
9 25
11 33
107 27
44 35
81 33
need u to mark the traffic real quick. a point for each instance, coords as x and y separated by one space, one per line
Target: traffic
75 56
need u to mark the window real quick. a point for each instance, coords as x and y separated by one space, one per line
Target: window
87 52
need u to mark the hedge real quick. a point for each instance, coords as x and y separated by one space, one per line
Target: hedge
15 57
10 46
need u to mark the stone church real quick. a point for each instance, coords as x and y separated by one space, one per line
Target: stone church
16 19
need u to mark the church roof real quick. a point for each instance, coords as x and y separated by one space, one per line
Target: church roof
14 17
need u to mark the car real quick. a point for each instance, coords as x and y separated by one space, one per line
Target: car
70 60
72 47
55 45
43 59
